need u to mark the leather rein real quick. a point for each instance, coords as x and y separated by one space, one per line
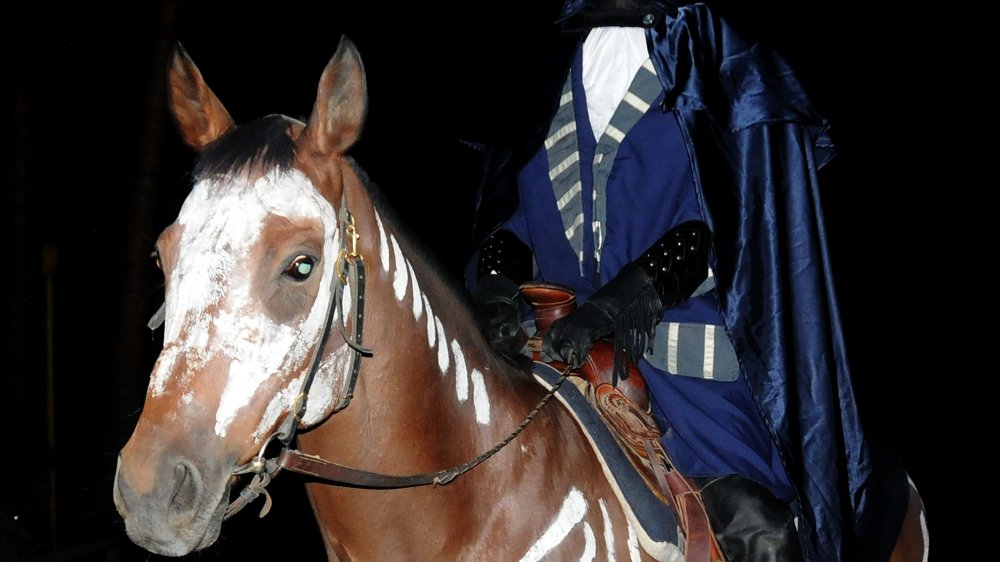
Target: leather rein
350 272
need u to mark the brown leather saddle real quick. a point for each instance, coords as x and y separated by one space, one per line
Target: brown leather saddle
624 408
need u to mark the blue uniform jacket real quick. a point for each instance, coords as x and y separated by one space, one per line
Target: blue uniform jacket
756 144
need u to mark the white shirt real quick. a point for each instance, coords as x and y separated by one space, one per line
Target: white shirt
611 57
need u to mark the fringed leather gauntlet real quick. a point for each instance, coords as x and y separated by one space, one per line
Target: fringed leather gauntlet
630 305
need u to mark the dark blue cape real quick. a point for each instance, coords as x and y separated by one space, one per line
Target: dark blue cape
756 145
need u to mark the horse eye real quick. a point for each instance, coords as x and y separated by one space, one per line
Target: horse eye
155 256
300 268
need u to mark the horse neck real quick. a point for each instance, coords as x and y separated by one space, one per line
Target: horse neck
431 373
433 397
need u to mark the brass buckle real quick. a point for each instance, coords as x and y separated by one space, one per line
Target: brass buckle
351 233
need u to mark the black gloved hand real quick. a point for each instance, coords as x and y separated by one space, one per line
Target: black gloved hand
628 303
571 337
499 310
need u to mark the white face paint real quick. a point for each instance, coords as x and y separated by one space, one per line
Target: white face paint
210 302
332 377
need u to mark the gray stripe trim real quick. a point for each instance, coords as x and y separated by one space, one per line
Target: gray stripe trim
694 350
641 93
562 152
563 155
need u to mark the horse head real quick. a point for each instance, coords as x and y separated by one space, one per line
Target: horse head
251 271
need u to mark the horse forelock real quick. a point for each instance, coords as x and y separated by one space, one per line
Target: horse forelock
223 234
262 145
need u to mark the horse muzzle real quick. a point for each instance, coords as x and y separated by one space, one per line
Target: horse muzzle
170 508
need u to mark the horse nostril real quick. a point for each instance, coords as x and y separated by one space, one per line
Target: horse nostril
121 493
188 491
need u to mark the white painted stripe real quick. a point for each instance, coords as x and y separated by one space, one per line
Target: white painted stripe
560 134
636 102
566 98
480 399
648 65
431 333
383 244
443 358
569 195
673 333
281 403
615 132
461 372
609 532
573 509
562 166
633 545
589 544
399 270
708 368
418 308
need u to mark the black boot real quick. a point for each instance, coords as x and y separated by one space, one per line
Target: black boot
750 524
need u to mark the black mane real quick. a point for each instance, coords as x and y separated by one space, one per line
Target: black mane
264 143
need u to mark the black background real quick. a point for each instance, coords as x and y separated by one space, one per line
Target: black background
94 169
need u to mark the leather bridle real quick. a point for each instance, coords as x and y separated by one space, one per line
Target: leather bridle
350 272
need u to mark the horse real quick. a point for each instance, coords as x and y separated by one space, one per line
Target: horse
296 307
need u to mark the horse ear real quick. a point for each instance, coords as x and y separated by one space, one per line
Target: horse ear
341 102
199 113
